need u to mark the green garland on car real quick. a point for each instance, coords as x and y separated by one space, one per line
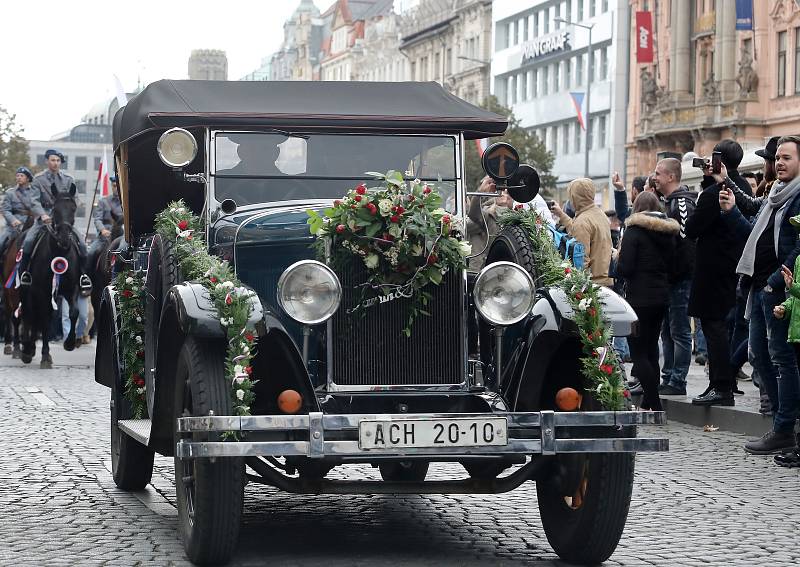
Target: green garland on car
231 299
129 286
599 364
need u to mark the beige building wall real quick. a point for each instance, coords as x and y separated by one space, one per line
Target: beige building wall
449 41
709 81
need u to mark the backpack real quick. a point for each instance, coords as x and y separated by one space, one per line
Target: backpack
568 247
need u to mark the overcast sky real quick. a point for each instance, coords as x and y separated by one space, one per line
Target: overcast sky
60 59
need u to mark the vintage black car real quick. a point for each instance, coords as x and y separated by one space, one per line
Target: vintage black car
250 159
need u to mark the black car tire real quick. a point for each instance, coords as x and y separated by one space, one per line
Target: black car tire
131 462
210 494
405 471
589 534
163 272
512 244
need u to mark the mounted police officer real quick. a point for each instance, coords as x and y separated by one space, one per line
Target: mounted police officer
107 213
42 204
16 207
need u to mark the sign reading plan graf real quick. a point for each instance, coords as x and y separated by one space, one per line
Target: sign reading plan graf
545 45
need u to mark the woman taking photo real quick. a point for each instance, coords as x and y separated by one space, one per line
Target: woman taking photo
646 260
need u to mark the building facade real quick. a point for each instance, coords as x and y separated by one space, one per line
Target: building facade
449 41
377 55
540 69
208 65
710 81
345 26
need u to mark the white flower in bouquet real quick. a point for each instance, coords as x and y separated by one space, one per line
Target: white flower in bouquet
129 280
140 391
138 339
239 395
385 206
238 369
584 303
439 213
465 248
371 261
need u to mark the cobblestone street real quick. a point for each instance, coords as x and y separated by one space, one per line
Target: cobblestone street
705 502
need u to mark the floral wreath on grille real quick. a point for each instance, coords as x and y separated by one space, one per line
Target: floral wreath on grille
399 233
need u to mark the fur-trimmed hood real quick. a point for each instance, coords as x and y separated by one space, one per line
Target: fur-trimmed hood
657 222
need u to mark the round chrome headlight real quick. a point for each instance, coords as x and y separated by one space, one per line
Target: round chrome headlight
504 293
309 292
177 147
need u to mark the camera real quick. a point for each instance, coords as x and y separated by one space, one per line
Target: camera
715 162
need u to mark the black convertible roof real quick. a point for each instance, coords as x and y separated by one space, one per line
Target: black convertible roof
391 107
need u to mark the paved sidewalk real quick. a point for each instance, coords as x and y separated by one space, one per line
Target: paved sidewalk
743 417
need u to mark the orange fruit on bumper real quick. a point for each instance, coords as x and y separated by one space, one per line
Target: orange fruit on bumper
290 401
568 399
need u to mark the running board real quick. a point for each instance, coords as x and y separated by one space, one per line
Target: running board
139 429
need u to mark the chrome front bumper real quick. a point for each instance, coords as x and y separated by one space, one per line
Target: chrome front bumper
522 436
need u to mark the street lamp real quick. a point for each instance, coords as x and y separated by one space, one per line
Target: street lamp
589 69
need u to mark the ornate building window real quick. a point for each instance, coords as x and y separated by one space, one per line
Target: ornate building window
796 61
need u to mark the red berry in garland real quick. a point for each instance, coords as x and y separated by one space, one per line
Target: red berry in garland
394 218
401 210
357 198
183 225
372 208
446 219
427 190
432 259
336 203
579 296
361 189
127 293
340 228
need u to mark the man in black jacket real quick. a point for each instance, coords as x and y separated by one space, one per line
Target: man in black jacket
676 333
713 294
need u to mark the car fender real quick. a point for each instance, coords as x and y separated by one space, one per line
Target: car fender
617 312
108 366
197 315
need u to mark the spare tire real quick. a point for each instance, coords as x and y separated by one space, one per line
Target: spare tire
512 244
163 272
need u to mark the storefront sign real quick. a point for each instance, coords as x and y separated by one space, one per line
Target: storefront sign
644 37
541 46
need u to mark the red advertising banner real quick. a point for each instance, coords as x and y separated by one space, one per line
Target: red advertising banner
644 37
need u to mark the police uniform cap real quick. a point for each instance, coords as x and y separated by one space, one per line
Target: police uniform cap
26 171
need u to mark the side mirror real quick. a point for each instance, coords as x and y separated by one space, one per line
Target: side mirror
500 161
524 185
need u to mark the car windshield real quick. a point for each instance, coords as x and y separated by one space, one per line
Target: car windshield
262 167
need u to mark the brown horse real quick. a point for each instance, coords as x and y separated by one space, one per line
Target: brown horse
10 322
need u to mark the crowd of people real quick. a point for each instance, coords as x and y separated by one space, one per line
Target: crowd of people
726 258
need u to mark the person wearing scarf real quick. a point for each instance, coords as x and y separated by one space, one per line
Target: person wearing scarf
771 242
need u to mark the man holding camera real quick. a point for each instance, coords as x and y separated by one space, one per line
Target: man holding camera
713 293
676 333
771 242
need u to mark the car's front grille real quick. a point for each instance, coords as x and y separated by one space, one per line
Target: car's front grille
369 349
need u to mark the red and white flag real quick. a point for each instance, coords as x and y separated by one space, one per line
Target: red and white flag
102 177
481 144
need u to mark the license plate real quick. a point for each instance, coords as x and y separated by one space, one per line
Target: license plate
415 433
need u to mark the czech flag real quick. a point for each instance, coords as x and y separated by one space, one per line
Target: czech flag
481 144
577 102
102 176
